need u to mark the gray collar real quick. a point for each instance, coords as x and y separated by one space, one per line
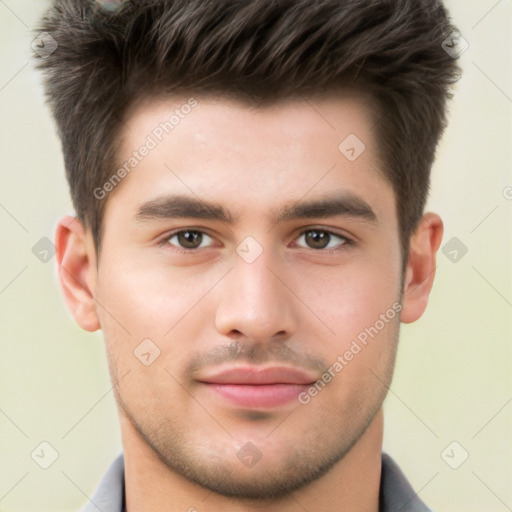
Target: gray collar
396 494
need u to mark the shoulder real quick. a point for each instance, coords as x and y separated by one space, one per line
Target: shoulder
109 495
396 493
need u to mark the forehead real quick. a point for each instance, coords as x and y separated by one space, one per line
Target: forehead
232 152
207 118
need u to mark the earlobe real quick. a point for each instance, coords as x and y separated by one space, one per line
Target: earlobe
421 266
76 259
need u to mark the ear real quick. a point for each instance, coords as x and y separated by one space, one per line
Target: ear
421 267
76 259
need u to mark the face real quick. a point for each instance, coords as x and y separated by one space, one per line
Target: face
249 281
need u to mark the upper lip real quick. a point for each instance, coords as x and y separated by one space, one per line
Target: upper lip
258 375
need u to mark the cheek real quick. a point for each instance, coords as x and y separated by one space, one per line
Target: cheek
147 318
352 298
148 300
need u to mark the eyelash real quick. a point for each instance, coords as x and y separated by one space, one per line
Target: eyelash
346 241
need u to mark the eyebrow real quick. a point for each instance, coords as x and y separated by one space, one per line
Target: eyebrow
180 206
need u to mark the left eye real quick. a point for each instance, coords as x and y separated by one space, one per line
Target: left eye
190 239
321 239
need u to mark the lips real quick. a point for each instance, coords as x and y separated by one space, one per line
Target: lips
254 375
257 387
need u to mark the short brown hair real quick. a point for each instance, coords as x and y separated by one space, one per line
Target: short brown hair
259 51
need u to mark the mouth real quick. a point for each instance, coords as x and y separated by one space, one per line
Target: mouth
258 387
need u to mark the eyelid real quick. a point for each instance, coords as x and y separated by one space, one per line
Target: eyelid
164 241
347 240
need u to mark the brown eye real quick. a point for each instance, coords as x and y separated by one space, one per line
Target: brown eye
321 239
317 239
189 239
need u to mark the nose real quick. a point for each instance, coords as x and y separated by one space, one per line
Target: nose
255 303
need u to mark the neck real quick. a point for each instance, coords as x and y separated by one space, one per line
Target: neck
351 485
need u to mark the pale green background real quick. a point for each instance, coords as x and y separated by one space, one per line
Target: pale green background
453 372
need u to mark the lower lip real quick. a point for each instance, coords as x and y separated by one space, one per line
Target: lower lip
263 395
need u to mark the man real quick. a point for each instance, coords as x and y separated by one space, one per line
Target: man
249 180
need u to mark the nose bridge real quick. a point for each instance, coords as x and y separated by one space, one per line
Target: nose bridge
254 301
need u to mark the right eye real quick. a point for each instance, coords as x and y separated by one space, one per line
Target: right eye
189 239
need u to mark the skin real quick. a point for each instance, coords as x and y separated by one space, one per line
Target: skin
297 304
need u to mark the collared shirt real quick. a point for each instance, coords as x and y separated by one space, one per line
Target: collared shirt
396 494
